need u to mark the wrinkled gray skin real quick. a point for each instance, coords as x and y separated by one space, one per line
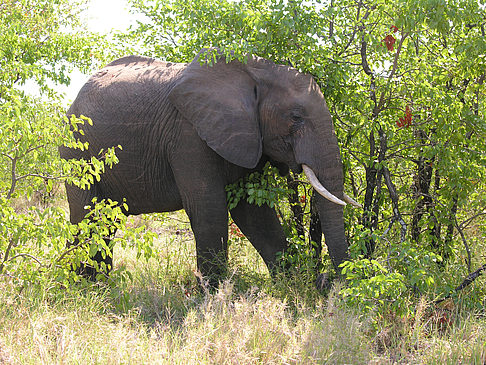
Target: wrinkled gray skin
188 130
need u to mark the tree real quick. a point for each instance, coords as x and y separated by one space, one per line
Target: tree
39 45
405 84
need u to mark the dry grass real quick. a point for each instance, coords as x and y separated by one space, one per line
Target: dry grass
158 316
220 328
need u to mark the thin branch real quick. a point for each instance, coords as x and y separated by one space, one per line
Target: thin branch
30 149
26 255
394 197
72 248
46 177
7 252
392 73
466 282
464 241
357 28
7 155
470 219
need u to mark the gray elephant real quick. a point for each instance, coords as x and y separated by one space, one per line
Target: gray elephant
188 130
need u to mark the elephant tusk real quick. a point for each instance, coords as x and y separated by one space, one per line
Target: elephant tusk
318 186
351 201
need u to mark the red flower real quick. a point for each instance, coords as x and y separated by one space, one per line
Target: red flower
407 120
389 42
302 199
394 28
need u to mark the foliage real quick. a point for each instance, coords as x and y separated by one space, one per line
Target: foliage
158 317
384 286
405 84
257 188
42 41
403 80
38 51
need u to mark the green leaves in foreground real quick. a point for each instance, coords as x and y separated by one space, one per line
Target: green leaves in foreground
39 47
258 188
384 285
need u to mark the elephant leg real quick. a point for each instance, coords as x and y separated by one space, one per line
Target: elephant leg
209 222
78 199
90 271
201 188
261 226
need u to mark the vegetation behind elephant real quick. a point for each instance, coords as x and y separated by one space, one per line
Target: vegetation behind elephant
188 130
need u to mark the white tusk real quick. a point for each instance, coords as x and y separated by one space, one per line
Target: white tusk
318 186
351 201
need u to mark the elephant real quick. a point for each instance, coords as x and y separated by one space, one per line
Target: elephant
188 130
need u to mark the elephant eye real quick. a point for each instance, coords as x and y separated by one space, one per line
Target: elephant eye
297 124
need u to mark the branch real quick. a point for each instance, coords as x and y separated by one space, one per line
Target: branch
46 177
390 225
360 27
72 248
467 281
392 72
464 241
13 173
394 197
470 219
26 255
5 257
6 155
364 62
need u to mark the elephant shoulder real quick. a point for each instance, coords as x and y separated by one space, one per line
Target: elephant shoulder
139 68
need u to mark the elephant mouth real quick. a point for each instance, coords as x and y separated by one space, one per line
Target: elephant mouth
284 167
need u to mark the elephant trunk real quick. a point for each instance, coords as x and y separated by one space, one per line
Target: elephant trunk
323 167
330 210
332 224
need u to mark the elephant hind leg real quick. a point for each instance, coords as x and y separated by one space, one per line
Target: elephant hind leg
261 226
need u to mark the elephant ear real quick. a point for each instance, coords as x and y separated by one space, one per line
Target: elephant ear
220 100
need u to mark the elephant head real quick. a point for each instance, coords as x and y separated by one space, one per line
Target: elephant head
249 110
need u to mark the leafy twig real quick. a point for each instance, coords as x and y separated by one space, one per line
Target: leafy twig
26 255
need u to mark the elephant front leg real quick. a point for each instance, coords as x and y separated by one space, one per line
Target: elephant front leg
209 222
204 200
199 173
262 227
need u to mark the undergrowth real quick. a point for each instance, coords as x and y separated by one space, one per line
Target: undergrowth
152 311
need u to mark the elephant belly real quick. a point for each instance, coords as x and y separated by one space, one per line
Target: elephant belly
143 189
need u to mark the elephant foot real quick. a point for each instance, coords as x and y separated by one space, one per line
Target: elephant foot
86 271
324 282
90 273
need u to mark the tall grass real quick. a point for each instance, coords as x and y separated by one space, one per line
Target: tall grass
157 315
